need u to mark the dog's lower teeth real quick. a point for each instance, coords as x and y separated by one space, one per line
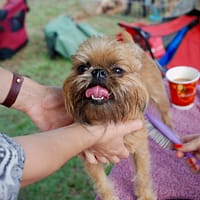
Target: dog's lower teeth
97 98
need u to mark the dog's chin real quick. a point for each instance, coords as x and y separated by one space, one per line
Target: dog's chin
97 101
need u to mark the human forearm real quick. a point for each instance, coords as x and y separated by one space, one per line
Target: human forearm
29 91
48 151
43 104
28 95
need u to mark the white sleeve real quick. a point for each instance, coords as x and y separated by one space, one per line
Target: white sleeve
11 167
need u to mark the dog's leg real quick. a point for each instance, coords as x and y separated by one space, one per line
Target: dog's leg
152 78
162 104
141 158
159 97
101 181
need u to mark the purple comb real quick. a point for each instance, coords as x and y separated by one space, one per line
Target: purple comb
167 133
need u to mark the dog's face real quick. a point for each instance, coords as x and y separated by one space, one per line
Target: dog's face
105 83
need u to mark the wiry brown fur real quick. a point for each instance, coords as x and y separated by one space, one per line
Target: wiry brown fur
130 93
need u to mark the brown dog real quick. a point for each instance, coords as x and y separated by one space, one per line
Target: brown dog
112 81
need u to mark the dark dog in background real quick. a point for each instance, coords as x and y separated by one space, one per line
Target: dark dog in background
111 7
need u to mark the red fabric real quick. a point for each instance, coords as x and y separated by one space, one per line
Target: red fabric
157 47
156 43
169 27
188 52
8 38
161 29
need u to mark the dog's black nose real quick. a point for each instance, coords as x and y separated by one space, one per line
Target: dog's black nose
99 73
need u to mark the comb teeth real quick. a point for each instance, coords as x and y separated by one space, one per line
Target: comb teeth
166 136
158 137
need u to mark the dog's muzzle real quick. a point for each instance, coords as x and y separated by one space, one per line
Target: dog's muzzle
96 91
99 74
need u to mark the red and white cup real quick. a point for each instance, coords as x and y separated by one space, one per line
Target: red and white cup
182 82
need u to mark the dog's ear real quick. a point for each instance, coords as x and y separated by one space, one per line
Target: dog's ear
126 37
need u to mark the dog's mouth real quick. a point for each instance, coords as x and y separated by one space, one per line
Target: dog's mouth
97 94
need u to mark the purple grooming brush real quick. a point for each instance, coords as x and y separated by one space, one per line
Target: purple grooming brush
168 133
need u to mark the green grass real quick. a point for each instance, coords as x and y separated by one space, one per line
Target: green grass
71 181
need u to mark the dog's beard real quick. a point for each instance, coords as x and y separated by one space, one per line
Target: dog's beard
96 94
91 102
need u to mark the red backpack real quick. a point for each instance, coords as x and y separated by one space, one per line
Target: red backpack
13 34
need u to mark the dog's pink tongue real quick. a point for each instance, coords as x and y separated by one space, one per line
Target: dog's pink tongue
97 92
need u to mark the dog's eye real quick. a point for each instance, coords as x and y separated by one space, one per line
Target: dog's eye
82 68
118 70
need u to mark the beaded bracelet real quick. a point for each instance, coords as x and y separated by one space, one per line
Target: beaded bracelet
14 90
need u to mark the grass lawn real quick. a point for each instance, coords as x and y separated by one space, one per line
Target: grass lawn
71 181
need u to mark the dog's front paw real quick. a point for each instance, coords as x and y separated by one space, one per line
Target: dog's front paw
115 198
146 195
110 198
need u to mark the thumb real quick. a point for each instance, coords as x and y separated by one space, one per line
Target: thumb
130 126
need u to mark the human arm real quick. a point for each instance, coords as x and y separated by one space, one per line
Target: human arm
48 151
43 104
191 143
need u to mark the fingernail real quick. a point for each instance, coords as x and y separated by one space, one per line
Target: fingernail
195 167
177 146
191 161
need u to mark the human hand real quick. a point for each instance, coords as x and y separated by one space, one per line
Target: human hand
43 104
110 147
191 143
48 111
